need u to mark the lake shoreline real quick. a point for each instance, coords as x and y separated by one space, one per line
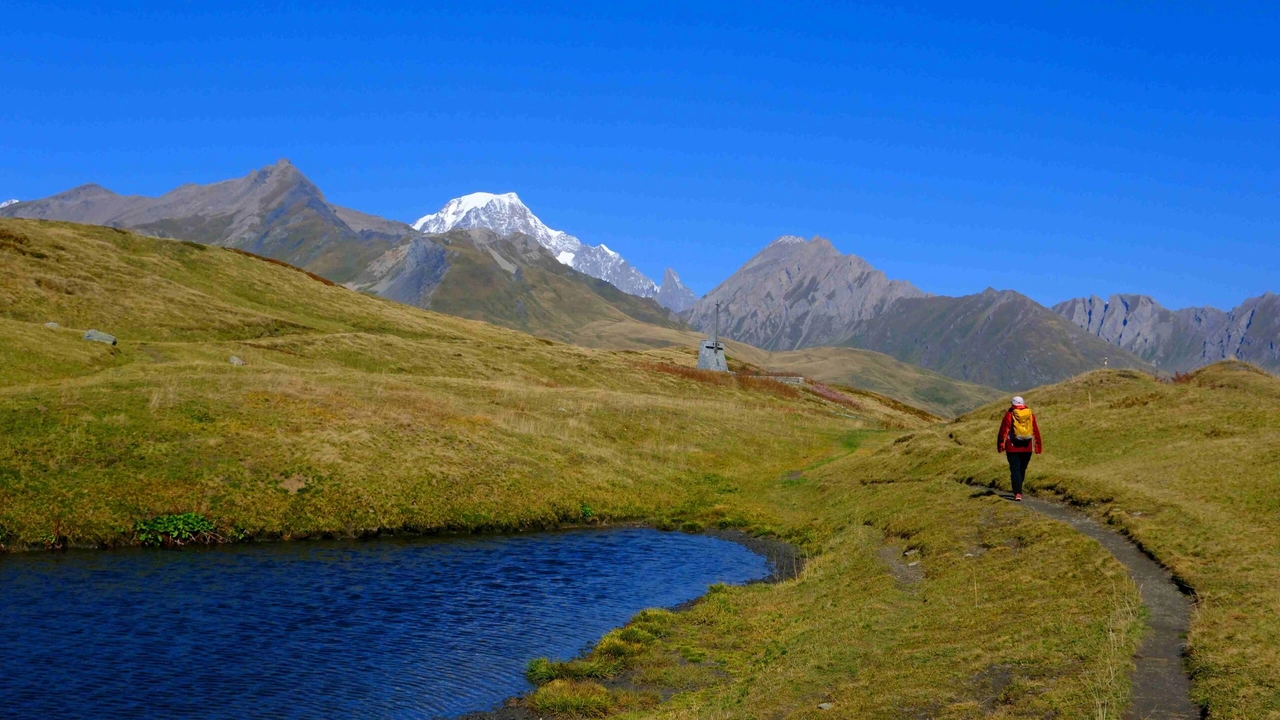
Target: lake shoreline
786 561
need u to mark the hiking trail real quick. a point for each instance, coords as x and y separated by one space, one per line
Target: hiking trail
1161 687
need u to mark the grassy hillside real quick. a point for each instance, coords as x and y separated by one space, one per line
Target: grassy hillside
1189 469
863 369
354 414
545 297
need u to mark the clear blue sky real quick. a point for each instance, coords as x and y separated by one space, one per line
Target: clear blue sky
1058 150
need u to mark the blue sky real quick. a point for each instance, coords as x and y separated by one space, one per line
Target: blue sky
1059 150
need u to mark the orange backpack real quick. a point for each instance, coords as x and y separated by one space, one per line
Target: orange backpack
1023 426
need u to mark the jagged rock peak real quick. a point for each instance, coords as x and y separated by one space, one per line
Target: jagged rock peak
673 294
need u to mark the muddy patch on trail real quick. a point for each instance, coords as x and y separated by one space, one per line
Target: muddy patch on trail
903 565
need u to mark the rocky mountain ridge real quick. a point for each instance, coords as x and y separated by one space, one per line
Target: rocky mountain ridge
275 211
1182 340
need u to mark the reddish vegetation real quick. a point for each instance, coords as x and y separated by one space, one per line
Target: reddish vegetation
743 382
281 263
829 393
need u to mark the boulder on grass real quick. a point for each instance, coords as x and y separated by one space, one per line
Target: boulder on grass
99 336
52 325
236 361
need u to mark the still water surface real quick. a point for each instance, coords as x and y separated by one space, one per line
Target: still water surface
389 628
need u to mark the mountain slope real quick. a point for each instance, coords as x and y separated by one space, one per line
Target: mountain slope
276 212
1000 339
796 294
511 281
505 214
865 370
1181 340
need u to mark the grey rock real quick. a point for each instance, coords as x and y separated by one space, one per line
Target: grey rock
826 706
98 336
673 295
235 361
52 325
408 273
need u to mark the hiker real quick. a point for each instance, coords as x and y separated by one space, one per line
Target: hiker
1019 435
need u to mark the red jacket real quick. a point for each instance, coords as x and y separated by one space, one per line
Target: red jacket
1004 443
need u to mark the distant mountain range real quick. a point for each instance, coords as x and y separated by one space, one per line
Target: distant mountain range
1182 340
801 294
487 256
278 213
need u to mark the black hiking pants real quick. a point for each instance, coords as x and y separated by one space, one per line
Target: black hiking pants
1018 462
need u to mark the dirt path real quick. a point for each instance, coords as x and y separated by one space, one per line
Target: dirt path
1160 683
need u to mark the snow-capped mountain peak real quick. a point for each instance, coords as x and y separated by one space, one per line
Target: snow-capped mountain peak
455 210
7 203
505 214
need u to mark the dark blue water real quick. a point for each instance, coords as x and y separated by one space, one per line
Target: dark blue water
391 628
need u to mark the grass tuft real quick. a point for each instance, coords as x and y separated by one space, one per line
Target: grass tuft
572 699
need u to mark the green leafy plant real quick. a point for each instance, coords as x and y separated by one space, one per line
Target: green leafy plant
176 530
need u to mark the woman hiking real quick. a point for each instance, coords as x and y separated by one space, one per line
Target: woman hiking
1019 435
